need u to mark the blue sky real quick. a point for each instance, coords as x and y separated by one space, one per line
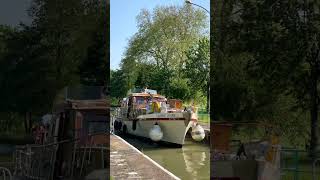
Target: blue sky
12 12
123 15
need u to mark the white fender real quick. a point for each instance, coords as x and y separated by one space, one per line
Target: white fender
197 133
155 133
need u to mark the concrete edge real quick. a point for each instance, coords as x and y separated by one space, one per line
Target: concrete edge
145 156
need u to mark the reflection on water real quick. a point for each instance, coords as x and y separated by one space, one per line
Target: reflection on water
191 162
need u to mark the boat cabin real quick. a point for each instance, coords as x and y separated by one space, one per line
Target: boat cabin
83 123
148 102
175 103
88 117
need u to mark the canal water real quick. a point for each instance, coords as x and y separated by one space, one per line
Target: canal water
191 162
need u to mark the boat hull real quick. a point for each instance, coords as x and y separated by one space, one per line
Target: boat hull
174 131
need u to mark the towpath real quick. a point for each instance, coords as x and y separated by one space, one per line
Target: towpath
126 162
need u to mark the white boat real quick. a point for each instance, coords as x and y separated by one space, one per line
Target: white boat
147 114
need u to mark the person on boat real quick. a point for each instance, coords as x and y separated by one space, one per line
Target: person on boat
38 133
148 106
34 131
155 106
193 106
164 107
145 89
129 107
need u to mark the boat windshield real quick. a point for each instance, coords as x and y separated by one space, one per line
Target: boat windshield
142 101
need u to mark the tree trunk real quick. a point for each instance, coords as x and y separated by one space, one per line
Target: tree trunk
30 123
314 112
26 122
213 26
208 97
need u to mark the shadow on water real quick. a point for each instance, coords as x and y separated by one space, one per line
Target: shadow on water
191 162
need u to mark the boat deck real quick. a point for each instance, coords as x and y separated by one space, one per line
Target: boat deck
129 163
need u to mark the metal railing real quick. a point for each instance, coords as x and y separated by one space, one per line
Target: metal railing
296 165
38 161
35 161
5 174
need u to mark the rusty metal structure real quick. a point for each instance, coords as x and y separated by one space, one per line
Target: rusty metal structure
250 160
75 143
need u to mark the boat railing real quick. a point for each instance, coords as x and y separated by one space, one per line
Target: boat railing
138 109
123 111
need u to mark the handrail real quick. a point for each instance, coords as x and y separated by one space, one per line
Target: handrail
65 141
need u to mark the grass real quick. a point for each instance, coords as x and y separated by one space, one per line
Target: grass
6 161
304 166
6 158
204 118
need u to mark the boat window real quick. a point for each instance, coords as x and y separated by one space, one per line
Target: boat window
96 123
141 100
157 99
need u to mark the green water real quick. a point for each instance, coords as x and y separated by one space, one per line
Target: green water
191 162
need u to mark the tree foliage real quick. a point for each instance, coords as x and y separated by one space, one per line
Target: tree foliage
64 45
162 53
280 41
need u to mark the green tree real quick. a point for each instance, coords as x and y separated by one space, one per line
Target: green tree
197 68
94 68
162 40
281 40
117 84
26 76
289 53
179 88
38 60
